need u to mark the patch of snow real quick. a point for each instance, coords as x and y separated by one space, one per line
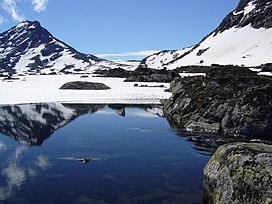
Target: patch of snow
192 74
67 58
256 69
158 60
25 59
249 8
237 13
23 24
38 89
131 65
265 73
32 27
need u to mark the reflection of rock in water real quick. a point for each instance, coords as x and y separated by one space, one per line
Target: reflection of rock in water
207 144
153 109
121 112
84 108
83 160
84 199
32 123
156 110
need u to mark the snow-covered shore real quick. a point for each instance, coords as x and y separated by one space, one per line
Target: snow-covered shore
45 88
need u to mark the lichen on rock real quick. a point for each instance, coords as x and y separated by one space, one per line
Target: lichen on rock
239 173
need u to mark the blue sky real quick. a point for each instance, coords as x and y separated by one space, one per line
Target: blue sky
120 27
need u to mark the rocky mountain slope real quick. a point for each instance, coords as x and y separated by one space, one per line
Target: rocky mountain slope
229 101
28 48
243 38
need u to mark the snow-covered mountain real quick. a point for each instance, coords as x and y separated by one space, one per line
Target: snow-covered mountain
29 48
243 38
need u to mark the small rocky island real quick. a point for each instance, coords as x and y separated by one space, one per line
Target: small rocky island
83 85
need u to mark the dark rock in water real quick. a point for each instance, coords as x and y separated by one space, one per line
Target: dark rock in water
85 160
83 85
229 101
239 173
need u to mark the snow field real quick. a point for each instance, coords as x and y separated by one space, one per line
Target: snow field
45 88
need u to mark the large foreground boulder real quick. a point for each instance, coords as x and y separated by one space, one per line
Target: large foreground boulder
239 173
228 101
83 85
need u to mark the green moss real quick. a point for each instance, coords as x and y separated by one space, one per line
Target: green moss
209 196
251 175
238 174
248 174
233 157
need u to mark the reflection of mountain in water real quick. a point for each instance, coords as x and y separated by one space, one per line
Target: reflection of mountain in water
31 124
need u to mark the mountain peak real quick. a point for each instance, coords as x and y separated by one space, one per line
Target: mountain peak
27 23
28 48
27 26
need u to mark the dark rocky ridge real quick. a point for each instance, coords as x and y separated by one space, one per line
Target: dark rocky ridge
259 17
152 75
229 101
141 74
118 72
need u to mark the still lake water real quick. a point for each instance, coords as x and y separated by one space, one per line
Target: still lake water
137 159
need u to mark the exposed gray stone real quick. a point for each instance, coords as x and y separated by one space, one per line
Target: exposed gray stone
239 173
229 101
83 85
